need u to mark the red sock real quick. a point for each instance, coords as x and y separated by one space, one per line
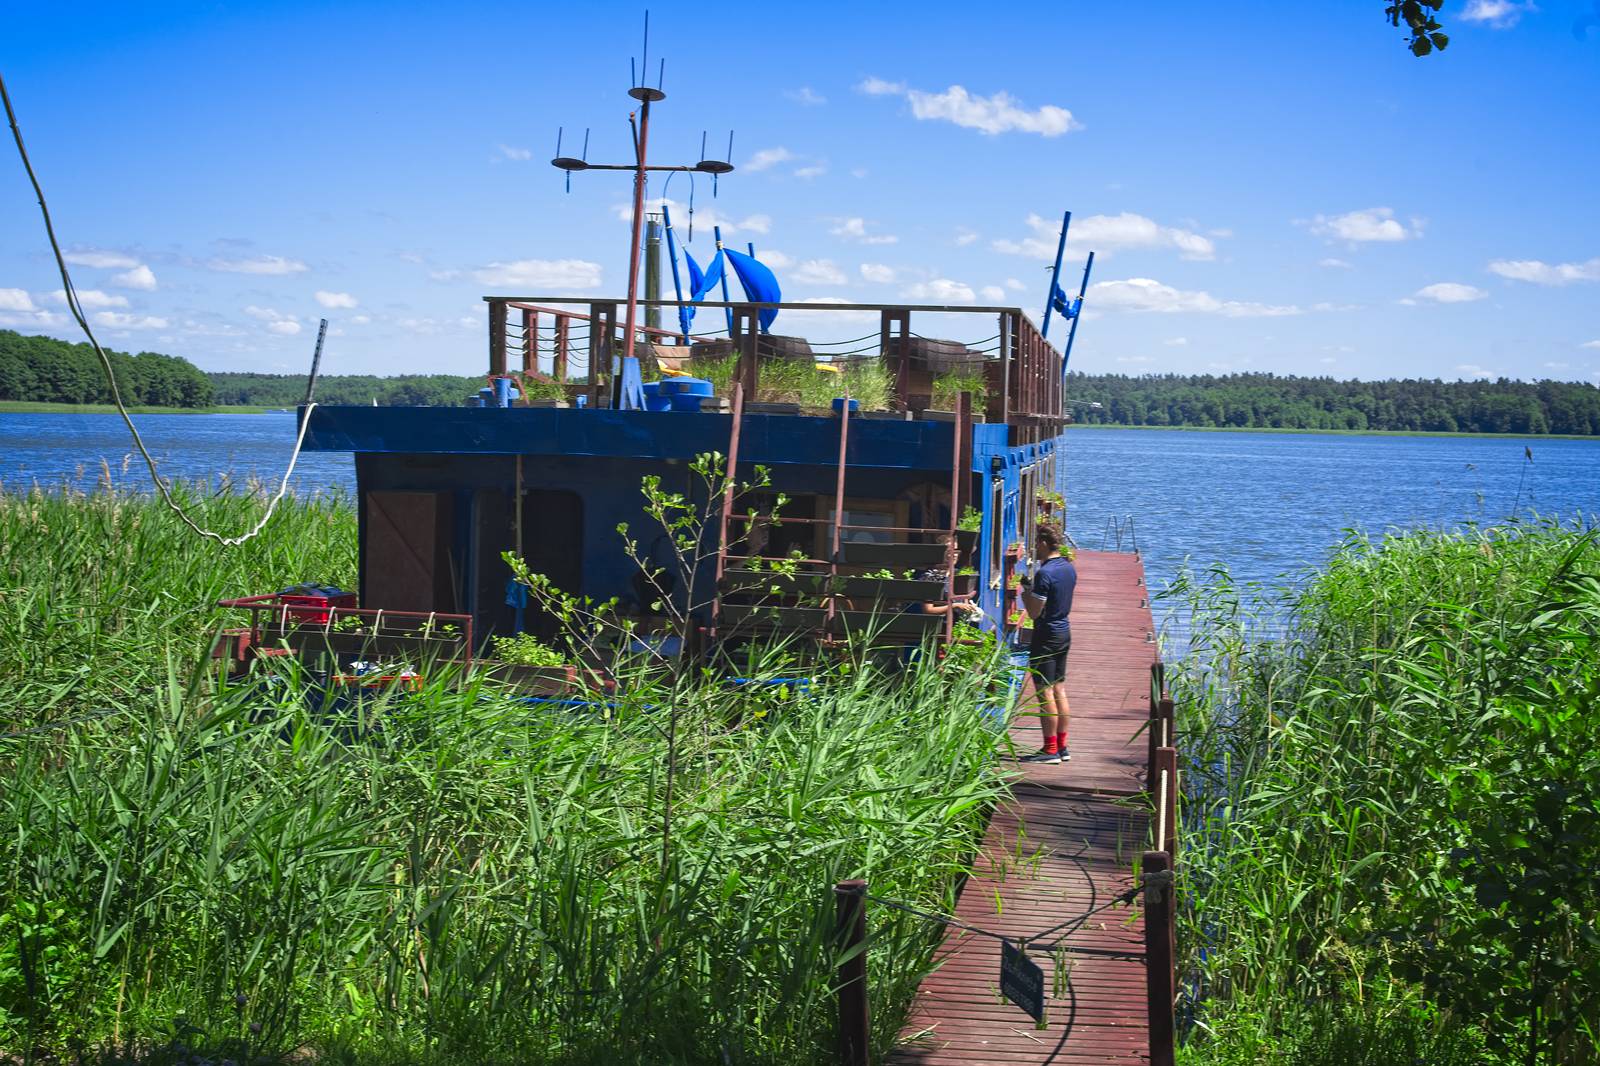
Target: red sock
1050 745
1061 741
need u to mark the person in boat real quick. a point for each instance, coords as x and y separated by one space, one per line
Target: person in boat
960 607
1047 598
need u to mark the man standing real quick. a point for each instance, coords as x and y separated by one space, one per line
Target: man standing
1047 598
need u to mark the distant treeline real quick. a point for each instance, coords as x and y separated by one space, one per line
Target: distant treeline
46 370
1267 401
405 390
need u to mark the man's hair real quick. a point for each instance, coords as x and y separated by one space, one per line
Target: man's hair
1049 534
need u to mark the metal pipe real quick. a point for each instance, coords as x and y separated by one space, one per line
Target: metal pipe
638 223
716 231
652 272
1055 274
850 926
677 283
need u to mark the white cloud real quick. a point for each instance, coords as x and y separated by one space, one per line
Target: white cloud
942 291
279 322
705 218
1367 225
15 300
519 154
774 258
91 298
1000 113
1014 285
275 265
1473 370
877 272
335 299
767 157
855 229
1590 344
1558 366
140 277
806 95
556 274
819 272
965 237
1104 233
1134 359
1542 273
360 320
1147 294
815 170
101 259
1500 14
1449 292
1339 264
1176 342
993 294
879 87
119 320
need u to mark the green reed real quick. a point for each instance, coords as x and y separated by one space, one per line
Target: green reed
449 875
1397 796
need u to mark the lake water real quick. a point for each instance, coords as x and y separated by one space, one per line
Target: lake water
1265 504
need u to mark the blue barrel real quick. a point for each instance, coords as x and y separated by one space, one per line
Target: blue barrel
653 400
685 394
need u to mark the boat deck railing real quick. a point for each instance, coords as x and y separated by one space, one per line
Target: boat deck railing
572 340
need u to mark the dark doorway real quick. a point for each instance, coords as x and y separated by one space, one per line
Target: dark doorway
552 544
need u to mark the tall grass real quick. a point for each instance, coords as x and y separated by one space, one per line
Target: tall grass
1401 796
448 875
799 381
99 590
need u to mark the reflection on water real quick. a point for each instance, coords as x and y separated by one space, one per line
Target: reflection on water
1268 505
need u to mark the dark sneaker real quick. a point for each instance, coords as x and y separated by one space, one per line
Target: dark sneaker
1066 756
1048 758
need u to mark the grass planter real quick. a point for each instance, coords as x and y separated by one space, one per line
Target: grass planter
531 680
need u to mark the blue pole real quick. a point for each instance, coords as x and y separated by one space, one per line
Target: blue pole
716 231
1073 332
677 285
1055 275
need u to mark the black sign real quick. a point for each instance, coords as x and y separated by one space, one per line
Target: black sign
1021 980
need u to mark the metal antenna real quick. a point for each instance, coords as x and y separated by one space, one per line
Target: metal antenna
641 171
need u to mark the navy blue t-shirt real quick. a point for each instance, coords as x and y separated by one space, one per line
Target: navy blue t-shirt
1054 582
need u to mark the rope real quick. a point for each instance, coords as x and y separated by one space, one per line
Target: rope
111 377
1066 928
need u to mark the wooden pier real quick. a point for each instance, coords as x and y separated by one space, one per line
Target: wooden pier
1067 843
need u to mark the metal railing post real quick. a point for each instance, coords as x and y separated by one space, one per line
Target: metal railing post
855 1026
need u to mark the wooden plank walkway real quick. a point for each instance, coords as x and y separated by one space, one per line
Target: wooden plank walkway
1065 844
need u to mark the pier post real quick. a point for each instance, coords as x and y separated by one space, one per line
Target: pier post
1160 977
497 338
855 1028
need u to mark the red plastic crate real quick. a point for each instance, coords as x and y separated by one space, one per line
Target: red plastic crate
312 603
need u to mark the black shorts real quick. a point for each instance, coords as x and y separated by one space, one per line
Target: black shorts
1047 658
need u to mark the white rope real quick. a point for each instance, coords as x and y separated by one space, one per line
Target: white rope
1161 815
111 377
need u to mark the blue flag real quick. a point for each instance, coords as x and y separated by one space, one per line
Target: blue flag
760 284
704 283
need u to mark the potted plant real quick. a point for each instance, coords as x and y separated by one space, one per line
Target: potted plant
967 528
966 580
526 663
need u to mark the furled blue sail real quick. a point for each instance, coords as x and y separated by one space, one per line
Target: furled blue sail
760 284
1065 307
704 283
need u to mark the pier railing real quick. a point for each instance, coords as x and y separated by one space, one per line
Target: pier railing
1158 873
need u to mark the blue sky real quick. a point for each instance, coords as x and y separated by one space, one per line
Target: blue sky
1268 186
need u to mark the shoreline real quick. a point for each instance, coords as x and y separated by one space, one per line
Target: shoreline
31 407
1335 432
